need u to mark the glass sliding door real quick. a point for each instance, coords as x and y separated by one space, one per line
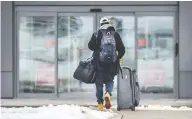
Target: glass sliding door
155 49
74 33
50 46
36 38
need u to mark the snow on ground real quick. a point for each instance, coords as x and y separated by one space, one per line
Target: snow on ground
161 107
72 112
54 112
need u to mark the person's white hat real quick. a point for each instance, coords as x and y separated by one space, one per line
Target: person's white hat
104 20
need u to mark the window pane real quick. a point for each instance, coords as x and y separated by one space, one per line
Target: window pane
156 53
74 33
36 54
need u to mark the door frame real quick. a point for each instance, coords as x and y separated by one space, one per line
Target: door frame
65 94
80 10
16 50
105 9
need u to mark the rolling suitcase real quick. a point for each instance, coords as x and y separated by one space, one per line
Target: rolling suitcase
128 91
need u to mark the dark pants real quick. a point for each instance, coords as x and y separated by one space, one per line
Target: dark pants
103 78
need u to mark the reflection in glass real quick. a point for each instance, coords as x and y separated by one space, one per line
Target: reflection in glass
36 54
155 53
74 33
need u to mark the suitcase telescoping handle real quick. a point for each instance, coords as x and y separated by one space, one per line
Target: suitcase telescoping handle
130 69
121 72
125 67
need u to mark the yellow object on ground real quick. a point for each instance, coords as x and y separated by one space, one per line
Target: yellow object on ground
100 107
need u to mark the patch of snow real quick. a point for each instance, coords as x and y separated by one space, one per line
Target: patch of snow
54 112
162 107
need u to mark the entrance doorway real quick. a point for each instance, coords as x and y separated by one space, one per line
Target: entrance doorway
51 44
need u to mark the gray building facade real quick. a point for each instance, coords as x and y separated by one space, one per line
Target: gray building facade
42 43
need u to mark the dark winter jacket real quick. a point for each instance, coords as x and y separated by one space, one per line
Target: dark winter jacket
94 45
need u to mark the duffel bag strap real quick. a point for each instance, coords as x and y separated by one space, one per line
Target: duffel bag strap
90 58
121 71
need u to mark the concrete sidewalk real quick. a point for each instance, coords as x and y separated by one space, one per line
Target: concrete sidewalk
123 114
40 102
146 114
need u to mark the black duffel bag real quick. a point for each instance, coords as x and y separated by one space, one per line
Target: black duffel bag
85 72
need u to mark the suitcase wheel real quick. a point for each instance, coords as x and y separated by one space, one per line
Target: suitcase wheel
132 108
118 108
